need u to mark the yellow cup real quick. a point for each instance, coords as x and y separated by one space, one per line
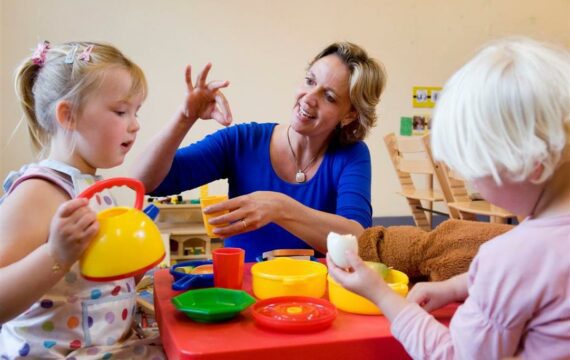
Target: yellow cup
204 203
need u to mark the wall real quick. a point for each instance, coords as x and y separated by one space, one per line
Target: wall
263 47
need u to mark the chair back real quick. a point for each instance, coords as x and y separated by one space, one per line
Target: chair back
459 202
452 185
409 160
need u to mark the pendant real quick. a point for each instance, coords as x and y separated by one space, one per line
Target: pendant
300 177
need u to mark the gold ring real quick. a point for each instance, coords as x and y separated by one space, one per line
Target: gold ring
244 224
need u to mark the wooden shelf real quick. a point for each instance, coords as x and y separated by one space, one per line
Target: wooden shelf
183 223
182 229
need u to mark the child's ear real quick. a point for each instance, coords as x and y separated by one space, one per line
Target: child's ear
63 115
536 172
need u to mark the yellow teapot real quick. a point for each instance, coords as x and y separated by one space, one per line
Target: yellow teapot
128 242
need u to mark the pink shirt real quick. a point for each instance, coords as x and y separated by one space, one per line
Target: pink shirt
518 303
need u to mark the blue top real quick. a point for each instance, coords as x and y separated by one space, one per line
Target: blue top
240 153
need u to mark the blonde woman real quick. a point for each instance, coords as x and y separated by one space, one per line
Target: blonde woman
289 184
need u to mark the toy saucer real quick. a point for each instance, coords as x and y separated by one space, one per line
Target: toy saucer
299 254
212 304
294 314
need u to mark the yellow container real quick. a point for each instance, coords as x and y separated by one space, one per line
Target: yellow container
350 302
128 243
288 277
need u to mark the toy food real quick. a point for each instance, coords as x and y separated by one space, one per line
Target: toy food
380 268
203 269
338 244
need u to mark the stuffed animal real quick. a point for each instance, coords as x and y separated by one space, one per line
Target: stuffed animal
434 255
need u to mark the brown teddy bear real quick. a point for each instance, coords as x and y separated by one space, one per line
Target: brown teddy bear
434 255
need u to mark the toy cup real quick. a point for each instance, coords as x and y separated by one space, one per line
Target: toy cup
228 267
128 242
204 203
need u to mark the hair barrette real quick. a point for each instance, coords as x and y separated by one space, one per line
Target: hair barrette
70 57
39 56
86 54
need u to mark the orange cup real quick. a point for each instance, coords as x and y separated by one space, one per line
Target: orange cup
228 267
204 203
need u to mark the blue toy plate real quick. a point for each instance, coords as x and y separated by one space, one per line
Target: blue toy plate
185 281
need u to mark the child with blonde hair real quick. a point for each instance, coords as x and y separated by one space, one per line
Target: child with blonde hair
80 101
502 122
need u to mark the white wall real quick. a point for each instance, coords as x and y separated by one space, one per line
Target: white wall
263 47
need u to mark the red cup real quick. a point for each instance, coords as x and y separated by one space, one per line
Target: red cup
228 267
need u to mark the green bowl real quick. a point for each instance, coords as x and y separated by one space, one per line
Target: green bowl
212 304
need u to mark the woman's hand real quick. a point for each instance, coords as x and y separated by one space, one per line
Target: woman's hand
72 228
434 295
205 100
247 212
362 280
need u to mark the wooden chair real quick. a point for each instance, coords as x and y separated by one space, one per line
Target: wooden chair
459 202
409 159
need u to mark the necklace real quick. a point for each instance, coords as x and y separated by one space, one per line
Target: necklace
300 177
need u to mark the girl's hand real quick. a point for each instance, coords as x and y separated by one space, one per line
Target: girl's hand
205 100
247 212
72 228
362 280
434 295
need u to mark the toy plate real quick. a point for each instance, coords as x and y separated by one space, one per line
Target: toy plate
212 304
294 313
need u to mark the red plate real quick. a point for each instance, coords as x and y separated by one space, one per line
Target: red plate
294 313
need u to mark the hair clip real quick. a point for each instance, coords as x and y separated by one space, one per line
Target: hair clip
86 54
39 56
70 57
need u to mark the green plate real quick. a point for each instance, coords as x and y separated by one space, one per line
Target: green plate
212 304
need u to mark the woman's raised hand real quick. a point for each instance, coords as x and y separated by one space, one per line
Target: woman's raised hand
205 100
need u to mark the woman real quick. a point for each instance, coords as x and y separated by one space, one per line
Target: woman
289 184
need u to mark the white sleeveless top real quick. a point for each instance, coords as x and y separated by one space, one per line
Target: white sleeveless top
76 318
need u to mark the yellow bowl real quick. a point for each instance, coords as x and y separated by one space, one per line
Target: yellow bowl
288 277
128 243
350 302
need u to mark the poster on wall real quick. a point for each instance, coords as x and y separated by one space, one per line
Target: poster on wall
425 96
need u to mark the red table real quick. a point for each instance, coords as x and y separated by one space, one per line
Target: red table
351 336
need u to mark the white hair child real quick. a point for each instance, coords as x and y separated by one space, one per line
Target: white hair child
502 121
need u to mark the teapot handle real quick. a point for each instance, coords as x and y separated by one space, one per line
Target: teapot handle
134 184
